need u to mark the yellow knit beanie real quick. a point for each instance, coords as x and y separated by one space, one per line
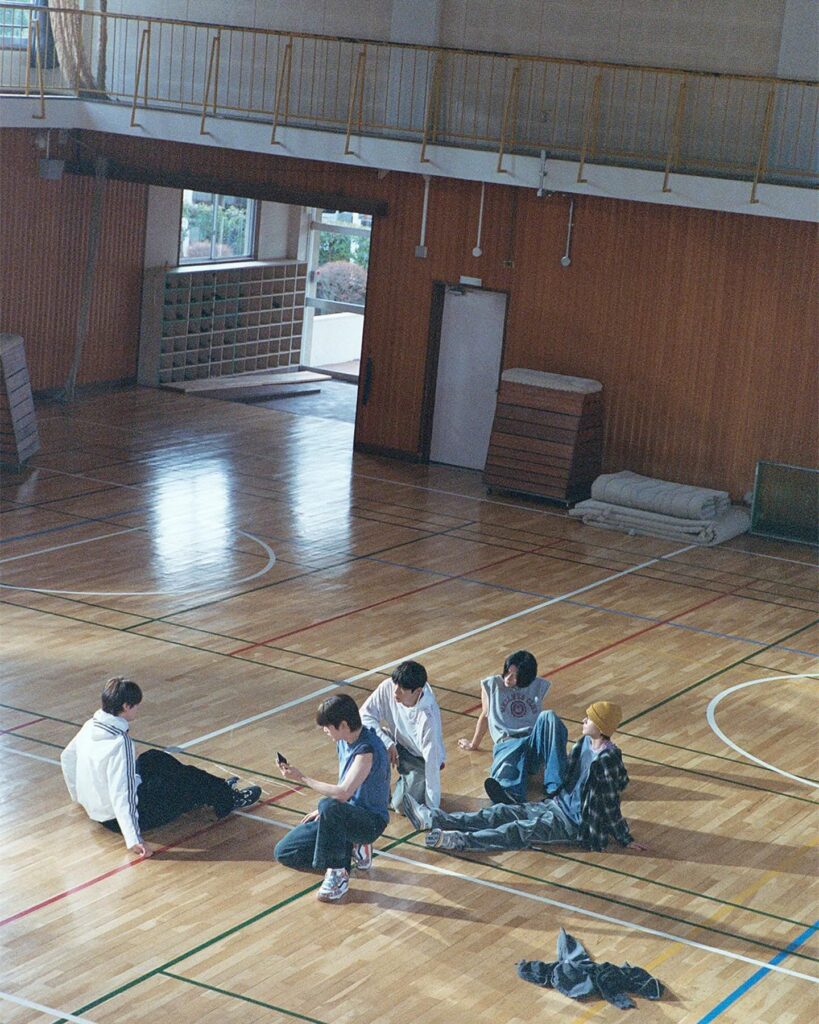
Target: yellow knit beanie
605 715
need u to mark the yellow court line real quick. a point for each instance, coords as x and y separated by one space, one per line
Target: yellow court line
742 897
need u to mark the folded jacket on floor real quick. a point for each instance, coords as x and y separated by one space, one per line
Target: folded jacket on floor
575 974
734 521
662 496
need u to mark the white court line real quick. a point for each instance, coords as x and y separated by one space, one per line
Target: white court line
710 715
49 1010
271 561
511 891
24 753
427 650
72 544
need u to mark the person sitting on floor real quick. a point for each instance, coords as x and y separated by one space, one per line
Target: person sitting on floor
352 813
404 713
131 795
512 710
585 810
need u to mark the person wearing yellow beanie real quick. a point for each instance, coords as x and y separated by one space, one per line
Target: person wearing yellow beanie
605 715
584 810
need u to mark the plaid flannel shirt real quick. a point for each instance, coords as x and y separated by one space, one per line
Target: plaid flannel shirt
600 814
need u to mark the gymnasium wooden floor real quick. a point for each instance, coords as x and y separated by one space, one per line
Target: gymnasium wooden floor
140 543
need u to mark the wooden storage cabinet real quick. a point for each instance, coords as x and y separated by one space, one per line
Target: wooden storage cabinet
19 439
211 321
547 436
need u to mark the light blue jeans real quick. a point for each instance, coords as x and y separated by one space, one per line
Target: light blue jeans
509 827
514 759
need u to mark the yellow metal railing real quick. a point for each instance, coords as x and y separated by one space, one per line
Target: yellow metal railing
675 121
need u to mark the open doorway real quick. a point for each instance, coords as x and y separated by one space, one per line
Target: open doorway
255 301
338 256
466 346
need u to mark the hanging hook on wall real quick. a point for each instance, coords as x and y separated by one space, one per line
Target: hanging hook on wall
478 251
542 186
421 248
566 258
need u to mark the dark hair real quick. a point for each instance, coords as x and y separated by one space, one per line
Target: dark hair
525 663
118 692
337 709
409 675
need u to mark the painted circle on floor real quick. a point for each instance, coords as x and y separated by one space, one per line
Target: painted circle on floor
271 561
711 717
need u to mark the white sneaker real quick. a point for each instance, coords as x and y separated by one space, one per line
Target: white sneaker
335 885
362 856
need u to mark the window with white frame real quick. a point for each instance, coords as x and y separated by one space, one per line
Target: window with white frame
216 228
14 25
340 258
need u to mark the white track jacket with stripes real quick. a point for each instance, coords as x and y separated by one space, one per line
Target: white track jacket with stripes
99 770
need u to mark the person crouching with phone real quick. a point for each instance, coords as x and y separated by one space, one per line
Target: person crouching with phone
352 814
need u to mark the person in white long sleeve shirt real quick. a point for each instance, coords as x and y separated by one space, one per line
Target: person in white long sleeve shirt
128 794
405 714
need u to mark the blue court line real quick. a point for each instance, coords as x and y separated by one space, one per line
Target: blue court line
757 977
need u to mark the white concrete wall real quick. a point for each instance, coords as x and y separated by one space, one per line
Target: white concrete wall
739 36
336 338
162 226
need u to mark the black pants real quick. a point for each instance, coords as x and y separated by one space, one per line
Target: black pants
169 788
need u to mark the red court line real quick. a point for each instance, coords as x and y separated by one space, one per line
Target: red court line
625 639
386 600
22 725
131 864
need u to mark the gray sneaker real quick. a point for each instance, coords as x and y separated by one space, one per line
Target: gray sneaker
418 814
335 885
440 840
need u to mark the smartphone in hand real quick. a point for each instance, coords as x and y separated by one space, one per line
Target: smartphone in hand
280 758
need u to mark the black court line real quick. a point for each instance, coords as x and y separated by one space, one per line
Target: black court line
653 911
244 999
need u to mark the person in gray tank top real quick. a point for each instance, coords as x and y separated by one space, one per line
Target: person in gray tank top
522 734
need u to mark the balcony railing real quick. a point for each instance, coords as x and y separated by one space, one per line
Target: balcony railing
746 127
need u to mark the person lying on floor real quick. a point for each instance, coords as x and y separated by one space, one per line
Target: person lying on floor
352 814
512 711
585 810
132 795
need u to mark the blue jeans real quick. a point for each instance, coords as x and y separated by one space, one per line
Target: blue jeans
510 827
514 759
328 841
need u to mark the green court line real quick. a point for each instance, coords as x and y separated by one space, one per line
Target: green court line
244 999
623 903
719 672
207 943
775 671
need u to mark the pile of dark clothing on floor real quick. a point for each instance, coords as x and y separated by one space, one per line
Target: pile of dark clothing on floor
575 974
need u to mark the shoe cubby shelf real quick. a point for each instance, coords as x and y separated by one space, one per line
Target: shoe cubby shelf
200 322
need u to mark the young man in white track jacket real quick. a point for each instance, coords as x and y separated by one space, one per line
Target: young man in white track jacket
405 714
131 794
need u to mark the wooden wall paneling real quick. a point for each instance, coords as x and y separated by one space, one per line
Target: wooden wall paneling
45 231
700 325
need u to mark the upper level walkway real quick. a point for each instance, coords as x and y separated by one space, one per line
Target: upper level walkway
740 143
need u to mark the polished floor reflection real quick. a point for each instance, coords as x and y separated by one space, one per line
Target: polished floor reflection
237 561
